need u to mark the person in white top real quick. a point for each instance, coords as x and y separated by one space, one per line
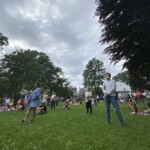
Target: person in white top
109 90
53 100
88 100
44 99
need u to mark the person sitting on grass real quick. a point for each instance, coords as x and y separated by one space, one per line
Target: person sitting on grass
66 106
11 105
133 107
42 109
3 108
147 112
19 106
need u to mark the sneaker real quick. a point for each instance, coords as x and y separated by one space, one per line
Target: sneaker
108 122
121 124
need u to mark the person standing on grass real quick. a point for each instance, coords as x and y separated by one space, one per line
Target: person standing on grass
109 90
44 99
88 100
16 101
53 101
97 98
27 99
34 102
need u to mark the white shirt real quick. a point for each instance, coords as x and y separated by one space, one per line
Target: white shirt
88 94
109 86
53 97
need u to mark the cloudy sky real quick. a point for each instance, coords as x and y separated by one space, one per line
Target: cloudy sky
66 30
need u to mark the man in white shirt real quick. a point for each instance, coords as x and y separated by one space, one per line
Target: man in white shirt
109 90
88 100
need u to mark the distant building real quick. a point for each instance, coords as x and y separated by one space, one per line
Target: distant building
122 89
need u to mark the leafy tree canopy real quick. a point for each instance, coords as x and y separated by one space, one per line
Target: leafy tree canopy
126 29
123 77
3 40
93 74
22 68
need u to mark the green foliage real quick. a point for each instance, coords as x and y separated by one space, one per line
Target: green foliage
3 40
93 74
126 30
21 69
123 77
74 130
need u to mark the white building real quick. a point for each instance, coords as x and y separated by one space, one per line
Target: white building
122 89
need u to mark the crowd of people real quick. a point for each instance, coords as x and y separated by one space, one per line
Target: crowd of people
9 104
37 103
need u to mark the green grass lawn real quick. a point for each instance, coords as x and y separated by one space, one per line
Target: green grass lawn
74 130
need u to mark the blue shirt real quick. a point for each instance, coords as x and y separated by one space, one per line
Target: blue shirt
35 98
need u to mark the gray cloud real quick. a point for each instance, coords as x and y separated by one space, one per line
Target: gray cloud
66 31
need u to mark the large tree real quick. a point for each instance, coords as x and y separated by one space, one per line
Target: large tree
22 68
126 31
94 74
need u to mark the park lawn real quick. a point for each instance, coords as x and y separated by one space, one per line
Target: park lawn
74 130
